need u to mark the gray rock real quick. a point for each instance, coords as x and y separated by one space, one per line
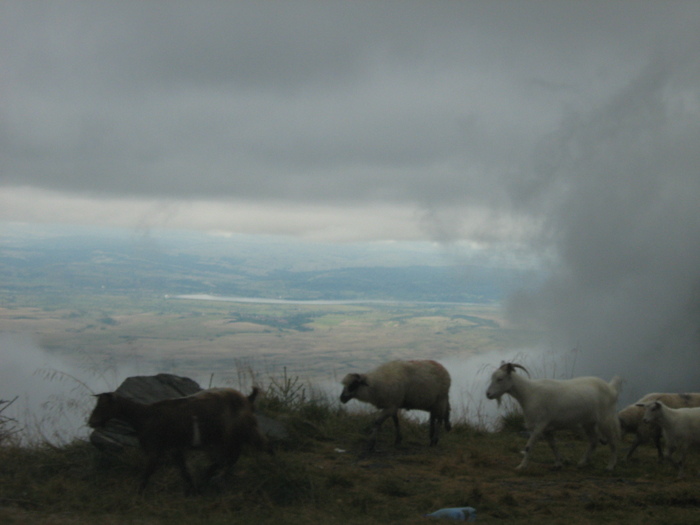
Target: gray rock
273 429
118 435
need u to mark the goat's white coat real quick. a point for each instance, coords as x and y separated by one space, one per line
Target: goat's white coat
680 427
550 404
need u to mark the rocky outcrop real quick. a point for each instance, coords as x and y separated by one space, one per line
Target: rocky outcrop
117 435
146 389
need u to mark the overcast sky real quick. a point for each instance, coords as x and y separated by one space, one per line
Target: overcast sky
565 127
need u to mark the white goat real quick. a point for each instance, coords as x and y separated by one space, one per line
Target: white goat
680 427
549 405
631 418
418 385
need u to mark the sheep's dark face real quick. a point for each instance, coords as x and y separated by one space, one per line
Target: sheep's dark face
102 411
351 383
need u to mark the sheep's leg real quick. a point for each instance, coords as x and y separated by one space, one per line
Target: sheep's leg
399 437
383 416
549 436
659 447
435 423
670 450
638 441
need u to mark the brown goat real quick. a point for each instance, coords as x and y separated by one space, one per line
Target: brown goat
219 421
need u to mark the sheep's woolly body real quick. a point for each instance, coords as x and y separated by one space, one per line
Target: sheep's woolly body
631 418
680 427
412 385
407 384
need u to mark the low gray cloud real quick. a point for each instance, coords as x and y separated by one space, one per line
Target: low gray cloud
299 101
567 130
620 185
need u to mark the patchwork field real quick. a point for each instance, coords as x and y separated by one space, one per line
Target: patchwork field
195 337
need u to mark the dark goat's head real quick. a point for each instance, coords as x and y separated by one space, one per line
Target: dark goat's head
103 411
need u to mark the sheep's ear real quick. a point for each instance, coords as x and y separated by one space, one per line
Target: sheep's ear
352 380
362 379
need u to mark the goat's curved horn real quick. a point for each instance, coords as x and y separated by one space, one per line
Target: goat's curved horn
514 365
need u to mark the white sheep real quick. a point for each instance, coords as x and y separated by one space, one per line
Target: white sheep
680 428
550 404
631 418
418 385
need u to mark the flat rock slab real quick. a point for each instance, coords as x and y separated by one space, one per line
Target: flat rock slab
118 435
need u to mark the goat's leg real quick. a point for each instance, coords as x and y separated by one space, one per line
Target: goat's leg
549 436
592 434
681 463
668 454
227 462
612 432
534 436
152 463
181 463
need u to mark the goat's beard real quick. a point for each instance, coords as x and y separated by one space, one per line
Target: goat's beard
498 399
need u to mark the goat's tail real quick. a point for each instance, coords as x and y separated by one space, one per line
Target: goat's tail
253 395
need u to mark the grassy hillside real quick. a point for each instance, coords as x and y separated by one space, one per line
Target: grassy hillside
321 476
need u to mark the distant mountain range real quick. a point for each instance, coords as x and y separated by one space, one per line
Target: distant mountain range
56 260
